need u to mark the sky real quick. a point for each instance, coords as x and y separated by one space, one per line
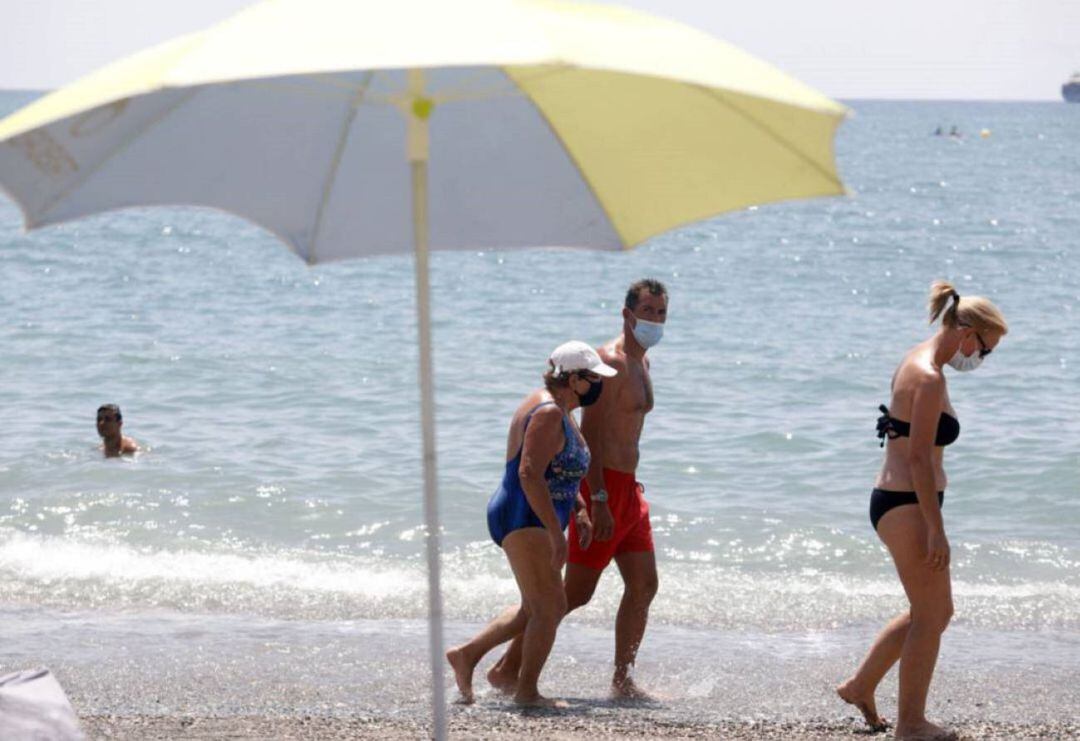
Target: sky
848 49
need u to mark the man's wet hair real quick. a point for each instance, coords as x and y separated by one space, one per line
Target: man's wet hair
653 286
112 408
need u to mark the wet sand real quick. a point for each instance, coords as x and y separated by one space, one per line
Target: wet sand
180 676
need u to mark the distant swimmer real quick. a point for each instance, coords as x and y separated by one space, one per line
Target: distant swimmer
109 424
939 131
906 506
955 133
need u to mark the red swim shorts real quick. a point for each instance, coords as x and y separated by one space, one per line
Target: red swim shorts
632 533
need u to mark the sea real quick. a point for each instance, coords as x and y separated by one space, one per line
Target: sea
265 551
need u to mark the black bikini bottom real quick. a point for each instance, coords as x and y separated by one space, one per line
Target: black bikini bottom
882 500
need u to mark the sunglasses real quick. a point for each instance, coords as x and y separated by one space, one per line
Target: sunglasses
983 349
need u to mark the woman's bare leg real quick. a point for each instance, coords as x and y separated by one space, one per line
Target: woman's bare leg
579 584
465 657
860 688
529 551
904 532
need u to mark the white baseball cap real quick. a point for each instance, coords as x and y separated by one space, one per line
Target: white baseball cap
576 355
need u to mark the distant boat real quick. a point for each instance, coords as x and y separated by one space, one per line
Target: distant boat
1070 91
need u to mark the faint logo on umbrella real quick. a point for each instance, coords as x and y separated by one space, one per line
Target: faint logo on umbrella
45 153
97 119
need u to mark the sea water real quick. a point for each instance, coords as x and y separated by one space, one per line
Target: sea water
274 522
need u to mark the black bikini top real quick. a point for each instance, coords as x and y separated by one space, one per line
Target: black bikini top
948 428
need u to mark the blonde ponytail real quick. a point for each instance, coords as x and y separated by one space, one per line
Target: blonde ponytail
971 311
942 292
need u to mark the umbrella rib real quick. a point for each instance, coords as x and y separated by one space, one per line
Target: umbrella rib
463 89
823 171
321 87
335 164
461 93
124 144
623 242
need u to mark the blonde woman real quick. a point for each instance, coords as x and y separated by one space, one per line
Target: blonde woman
905 506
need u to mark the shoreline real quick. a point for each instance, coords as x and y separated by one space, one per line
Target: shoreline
515 725
193 676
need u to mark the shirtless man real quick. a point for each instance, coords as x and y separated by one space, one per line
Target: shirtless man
109 422
621 529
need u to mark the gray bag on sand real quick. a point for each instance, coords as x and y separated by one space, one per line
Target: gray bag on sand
34 707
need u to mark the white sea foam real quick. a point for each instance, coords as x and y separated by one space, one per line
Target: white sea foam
76 574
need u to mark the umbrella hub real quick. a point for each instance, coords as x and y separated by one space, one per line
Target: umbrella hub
422 107
418 113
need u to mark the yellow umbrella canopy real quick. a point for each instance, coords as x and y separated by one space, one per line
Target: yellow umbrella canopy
545 122
541 112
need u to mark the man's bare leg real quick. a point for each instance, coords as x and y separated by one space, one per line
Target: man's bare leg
579 584
640 584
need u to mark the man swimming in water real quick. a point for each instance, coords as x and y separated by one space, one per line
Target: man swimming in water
612 427
109 423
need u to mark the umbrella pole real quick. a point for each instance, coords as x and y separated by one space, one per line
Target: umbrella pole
418 140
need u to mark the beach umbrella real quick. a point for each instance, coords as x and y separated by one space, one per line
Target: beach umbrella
545 123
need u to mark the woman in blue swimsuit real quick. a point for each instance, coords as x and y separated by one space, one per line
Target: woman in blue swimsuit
546 459
905 506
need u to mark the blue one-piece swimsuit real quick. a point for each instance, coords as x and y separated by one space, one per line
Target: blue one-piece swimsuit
508 508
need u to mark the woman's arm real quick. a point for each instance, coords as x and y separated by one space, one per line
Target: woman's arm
925 414
544 438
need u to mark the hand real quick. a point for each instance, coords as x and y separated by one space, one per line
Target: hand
937 550
558 550
584 529
602 521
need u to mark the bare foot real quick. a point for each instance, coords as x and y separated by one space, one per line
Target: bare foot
926 731
502 680
864 701
537 700
627 690
463 671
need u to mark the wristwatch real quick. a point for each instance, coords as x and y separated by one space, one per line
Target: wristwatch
600 496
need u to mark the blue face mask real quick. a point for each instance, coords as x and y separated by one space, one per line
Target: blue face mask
648 334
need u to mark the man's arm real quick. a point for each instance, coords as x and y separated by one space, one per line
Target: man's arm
594 427
595 419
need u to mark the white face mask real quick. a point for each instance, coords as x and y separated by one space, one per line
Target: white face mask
964 363
648 334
